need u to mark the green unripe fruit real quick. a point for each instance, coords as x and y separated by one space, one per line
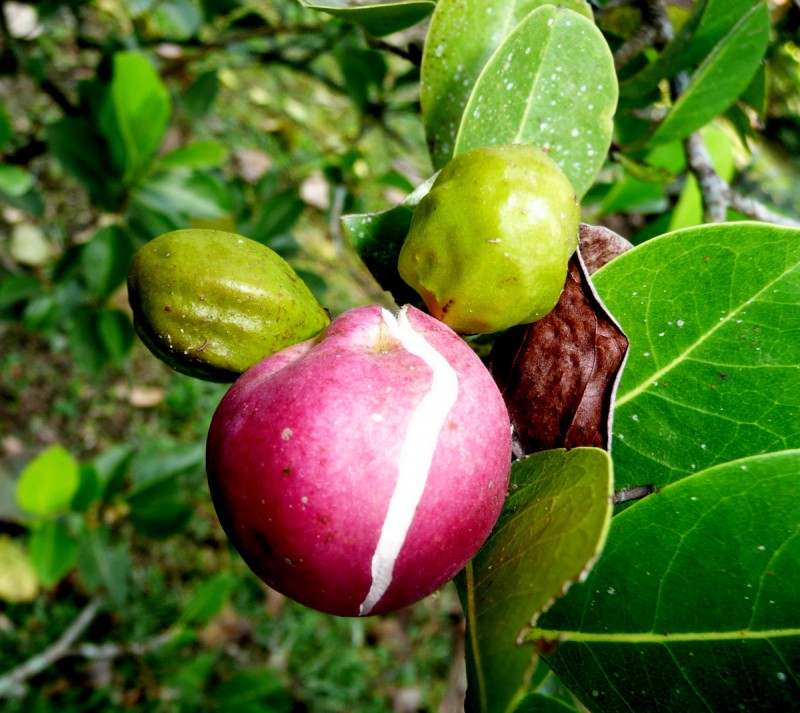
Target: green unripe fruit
489 244
212 304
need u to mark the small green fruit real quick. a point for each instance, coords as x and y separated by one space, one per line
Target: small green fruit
489 244
212 304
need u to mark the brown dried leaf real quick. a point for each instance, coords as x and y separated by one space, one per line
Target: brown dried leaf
559 375
600 245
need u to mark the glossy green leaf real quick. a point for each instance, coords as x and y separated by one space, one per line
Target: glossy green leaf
539 703
720 79
712 316
48 483
537 89
379 17
708 24
552 527
461 39
135 113
667 64
755 96
378 237
718 18
695 603
200 154
53 552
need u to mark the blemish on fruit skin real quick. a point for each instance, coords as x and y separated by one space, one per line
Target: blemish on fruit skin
286 434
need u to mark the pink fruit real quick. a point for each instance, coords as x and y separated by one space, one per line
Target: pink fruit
359 471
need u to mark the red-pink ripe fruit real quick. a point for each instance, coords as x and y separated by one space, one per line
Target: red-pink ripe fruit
357 472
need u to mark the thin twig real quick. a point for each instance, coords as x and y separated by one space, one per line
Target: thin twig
716 192
106 651
655 29
755 209
713 187
644 38
12 682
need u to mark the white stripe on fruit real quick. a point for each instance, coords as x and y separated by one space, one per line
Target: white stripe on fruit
416 453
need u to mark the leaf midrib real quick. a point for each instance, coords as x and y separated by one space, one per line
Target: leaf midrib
653 637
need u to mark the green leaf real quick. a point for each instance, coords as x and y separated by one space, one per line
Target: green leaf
106 259
162 519
135 113
18 581
5 127
15 289
537 89
158 506
178 19
277 215
116 332
53 552
539 703
755 96
85 341
83 152
667 64
184 195
552 527
111 467
720 79
104 566
380 17
694 604
201 95
711 314
460 41
89 489
207 600
154 464
48 483
719 16
363 70
378 237
15 181
200 154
